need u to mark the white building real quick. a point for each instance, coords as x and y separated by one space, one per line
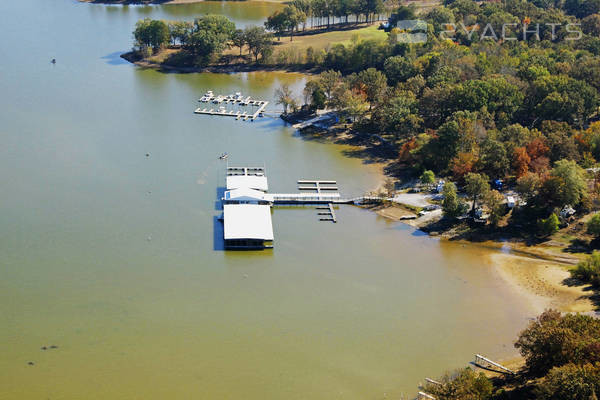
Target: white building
247 226
247 222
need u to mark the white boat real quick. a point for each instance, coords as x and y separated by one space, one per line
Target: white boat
207 96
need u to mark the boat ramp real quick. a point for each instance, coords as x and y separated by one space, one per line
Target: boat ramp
214 106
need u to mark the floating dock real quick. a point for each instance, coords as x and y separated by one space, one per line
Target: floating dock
247 205
247 220
237 99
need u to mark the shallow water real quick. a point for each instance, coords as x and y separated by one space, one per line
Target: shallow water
116 257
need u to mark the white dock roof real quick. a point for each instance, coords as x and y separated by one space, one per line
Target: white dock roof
244 194
247 221
256 182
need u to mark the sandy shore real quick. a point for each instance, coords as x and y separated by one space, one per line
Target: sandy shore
542 282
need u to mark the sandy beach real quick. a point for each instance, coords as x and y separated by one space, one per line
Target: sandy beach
543 283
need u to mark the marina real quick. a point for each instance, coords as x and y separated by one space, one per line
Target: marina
247 222
232 99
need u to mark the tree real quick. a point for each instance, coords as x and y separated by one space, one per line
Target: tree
180 31
427 177
494 201
318 98
566 184
476 186
259 41
553 340
521 161
314 95
593 225
591 24
211 35
399 115
398 69
284 96
548 226
294 18
561 98
371 82
573 382
452 206
351 103
442 148
277 22
329 81
151 33
493 158
528 186
239 39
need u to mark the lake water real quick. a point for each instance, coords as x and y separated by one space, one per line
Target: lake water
117 258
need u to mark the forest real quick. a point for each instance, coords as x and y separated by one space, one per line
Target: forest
477 109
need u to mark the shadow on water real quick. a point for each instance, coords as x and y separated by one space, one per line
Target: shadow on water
218 241
115 58
419 233
220 193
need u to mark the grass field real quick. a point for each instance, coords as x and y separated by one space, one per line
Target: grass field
322 40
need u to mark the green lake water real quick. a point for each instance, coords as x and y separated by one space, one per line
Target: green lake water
117 258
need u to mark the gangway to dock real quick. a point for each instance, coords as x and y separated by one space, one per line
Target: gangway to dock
486 363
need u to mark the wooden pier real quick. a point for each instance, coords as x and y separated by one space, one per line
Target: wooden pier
236 99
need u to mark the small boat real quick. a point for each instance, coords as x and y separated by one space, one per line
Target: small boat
207 96
223 156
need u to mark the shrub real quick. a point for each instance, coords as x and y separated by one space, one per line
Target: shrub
464 384
593 225
428 177
548 226
588 270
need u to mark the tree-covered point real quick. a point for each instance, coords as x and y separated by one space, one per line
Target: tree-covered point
202 40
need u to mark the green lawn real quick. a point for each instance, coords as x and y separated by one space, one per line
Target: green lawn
322 40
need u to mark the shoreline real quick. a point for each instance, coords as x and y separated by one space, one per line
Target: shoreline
130 56
542 283
532 273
